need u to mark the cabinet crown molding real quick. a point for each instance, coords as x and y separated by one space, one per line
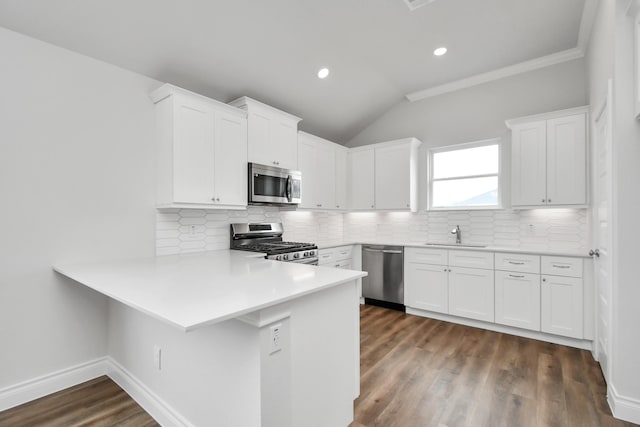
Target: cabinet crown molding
245 103
546 116
167 90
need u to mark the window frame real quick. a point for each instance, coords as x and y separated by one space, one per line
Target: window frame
463 146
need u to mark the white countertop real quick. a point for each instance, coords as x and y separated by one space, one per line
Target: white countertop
518 250
199 289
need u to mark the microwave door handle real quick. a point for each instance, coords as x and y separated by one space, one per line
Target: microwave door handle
289 188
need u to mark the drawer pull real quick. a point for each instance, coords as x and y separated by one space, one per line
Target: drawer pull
516 263
516 276
560 266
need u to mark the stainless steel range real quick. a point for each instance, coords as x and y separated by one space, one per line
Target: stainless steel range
267 238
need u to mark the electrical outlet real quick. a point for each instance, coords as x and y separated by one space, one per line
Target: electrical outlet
531 230
274 338
157 357
192 231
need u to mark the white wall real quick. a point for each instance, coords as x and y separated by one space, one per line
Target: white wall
76 183
479 112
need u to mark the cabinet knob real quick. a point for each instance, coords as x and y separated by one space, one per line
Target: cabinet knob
373 206
338 206
217 199
445 270
319 205
548 200
544 279
544 200
213 199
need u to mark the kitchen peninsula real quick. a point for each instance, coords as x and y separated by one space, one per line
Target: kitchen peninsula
228 338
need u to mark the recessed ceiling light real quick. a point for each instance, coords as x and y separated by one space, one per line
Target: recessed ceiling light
440 51
323 73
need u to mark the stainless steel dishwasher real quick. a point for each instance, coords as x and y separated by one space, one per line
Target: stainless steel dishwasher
385 283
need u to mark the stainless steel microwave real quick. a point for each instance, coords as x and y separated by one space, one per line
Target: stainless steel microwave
270 185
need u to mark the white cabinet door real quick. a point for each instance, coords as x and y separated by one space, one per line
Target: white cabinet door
310 175
528 166
518 299
230 165
285 142
426 287
260 133
325 175
392 177
362 174
316 161
471 293
567 160
341 178
193 151
562 306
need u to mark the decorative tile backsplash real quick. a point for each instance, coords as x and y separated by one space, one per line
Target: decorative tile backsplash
543 229
193 230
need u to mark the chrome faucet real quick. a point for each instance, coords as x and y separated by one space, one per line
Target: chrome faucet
458 234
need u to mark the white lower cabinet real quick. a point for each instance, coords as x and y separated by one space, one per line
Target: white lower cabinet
562 306
471 293
426 286
445 286
533 292
517 299
338 257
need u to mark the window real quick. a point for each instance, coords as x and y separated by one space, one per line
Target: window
465 176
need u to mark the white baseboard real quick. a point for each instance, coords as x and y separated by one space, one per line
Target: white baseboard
160 410
38 387
540 336
623 408
44 385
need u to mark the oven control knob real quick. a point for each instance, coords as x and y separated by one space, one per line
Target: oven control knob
277 257
285 257
312 253
296 255
306 254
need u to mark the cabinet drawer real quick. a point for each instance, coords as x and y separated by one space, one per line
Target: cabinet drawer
426 256
562 266
342 253
518 262
346 264
472 259
326 256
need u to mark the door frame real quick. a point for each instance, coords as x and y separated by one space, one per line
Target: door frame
604 107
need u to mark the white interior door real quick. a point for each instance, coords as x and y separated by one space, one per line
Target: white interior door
602 232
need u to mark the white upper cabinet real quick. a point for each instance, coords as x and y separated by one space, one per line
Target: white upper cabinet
385 176
549 159
202 151
317 162
567 160
273 134
362 178
341 154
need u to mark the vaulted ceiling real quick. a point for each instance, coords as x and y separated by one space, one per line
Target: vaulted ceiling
378 51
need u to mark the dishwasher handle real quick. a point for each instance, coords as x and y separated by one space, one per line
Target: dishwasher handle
384 251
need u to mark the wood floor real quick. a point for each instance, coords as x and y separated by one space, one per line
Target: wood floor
415 372
423 372
99 402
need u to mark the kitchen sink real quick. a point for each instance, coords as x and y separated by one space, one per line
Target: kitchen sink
456 245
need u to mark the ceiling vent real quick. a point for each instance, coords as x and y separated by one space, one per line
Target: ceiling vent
414 4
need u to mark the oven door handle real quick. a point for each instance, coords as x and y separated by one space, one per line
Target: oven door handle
289 188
